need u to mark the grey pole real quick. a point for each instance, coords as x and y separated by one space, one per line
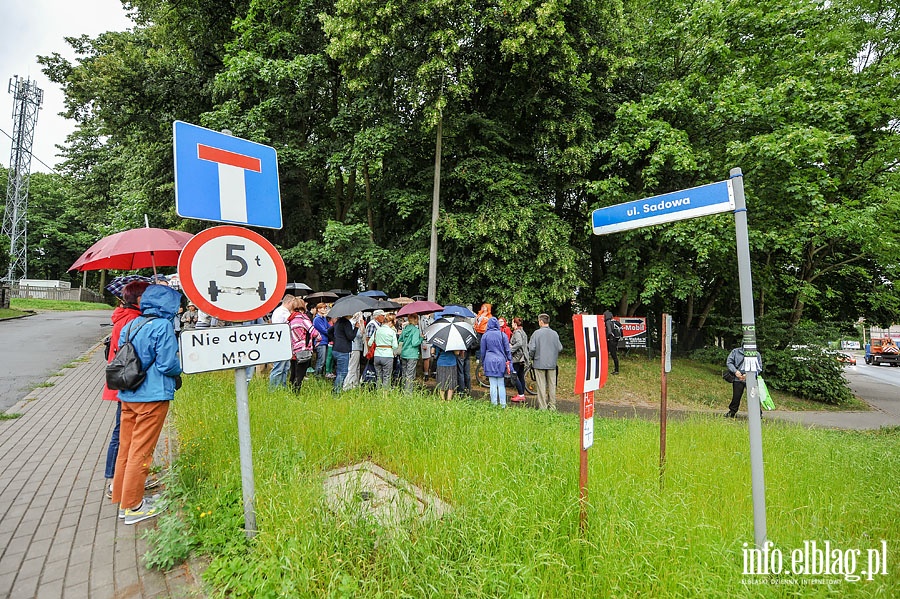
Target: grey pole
748 325
435 214
243 418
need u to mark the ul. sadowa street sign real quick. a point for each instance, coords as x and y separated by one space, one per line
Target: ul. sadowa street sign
678 205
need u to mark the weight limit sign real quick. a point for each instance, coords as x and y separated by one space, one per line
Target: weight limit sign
232 273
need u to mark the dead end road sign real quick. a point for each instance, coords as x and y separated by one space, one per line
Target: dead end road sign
226 179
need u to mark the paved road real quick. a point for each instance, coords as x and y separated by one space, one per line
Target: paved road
33 348
878 385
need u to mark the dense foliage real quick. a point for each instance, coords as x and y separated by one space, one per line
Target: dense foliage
546 111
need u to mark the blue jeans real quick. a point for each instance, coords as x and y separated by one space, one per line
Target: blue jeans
498 390
321 353
112 451
341 367
279 375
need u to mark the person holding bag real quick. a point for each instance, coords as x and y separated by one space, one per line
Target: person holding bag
738 367
385 341
518 345
303 339
144 409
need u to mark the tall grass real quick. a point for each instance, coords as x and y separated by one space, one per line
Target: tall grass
511 477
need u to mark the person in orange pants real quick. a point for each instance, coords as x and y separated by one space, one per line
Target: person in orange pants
144 409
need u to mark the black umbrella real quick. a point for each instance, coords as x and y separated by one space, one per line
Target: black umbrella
386 305
299 288
350 305
321 296
340 292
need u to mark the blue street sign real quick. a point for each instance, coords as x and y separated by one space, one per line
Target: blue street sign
225 179
678 205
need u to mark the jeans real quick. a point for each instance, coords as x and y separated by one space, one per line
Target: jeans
113 450
279 375
341 365
408 373
384 368
463 374
321 353
498 390
520 377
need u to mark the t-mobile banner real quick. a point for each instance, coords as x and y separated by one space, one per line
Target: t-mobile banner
634 331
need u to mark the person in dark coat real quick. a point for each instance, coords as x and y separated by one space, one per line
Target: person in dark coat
342 334
612 340
739 366
496 359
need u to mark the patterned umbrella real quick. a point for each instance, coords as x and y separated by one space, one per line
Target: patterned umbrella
450 335
118 284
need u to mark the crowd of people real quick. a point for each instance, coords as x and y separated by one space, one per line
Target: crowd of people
381 351
385 351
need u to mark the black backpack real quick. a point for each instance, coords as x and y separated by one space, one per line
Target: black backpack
614 329
125 372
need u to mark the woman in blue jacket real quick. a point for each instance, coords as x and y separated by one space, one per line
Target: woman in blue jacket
144 409
495 359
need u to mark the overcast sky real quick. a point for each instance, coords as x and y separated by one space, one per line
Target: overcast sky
37 27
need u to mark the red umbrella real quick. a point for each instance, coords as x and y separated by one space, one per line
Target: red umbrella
133 249
420 307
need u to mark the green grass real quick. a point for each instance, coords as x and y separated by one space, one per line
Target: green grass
9 416
10 313
54 305
511 478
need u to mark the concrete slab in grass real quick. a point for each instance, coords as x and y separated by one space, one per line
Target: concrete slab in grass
367 490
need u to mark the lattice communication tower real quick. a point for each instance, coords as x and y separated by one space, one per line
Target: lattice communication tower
28 99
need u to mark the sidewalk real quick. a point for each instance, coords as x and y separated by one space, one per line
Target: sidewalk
59 535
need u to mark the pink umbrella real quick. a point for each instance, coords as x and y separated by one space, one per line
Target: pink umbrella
420 307
136 248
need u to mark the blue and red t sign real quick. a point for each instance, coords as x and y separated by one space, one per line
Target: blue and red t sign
225 179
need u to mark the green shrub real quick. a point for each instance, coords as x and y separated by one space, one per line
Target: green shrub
711 355
808 372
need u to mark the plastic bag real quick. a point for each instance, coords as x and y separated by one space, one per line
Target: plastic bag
765 398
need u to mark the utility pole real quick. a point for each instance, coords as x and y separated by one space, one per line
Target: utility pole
28 99
435 214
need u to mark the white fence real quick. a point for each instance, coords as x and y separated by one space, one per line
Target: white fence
55 293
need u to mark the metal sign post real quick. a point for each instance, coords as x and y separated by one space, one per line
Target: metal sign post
714 198
666 367
757 476
235 274
248 486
